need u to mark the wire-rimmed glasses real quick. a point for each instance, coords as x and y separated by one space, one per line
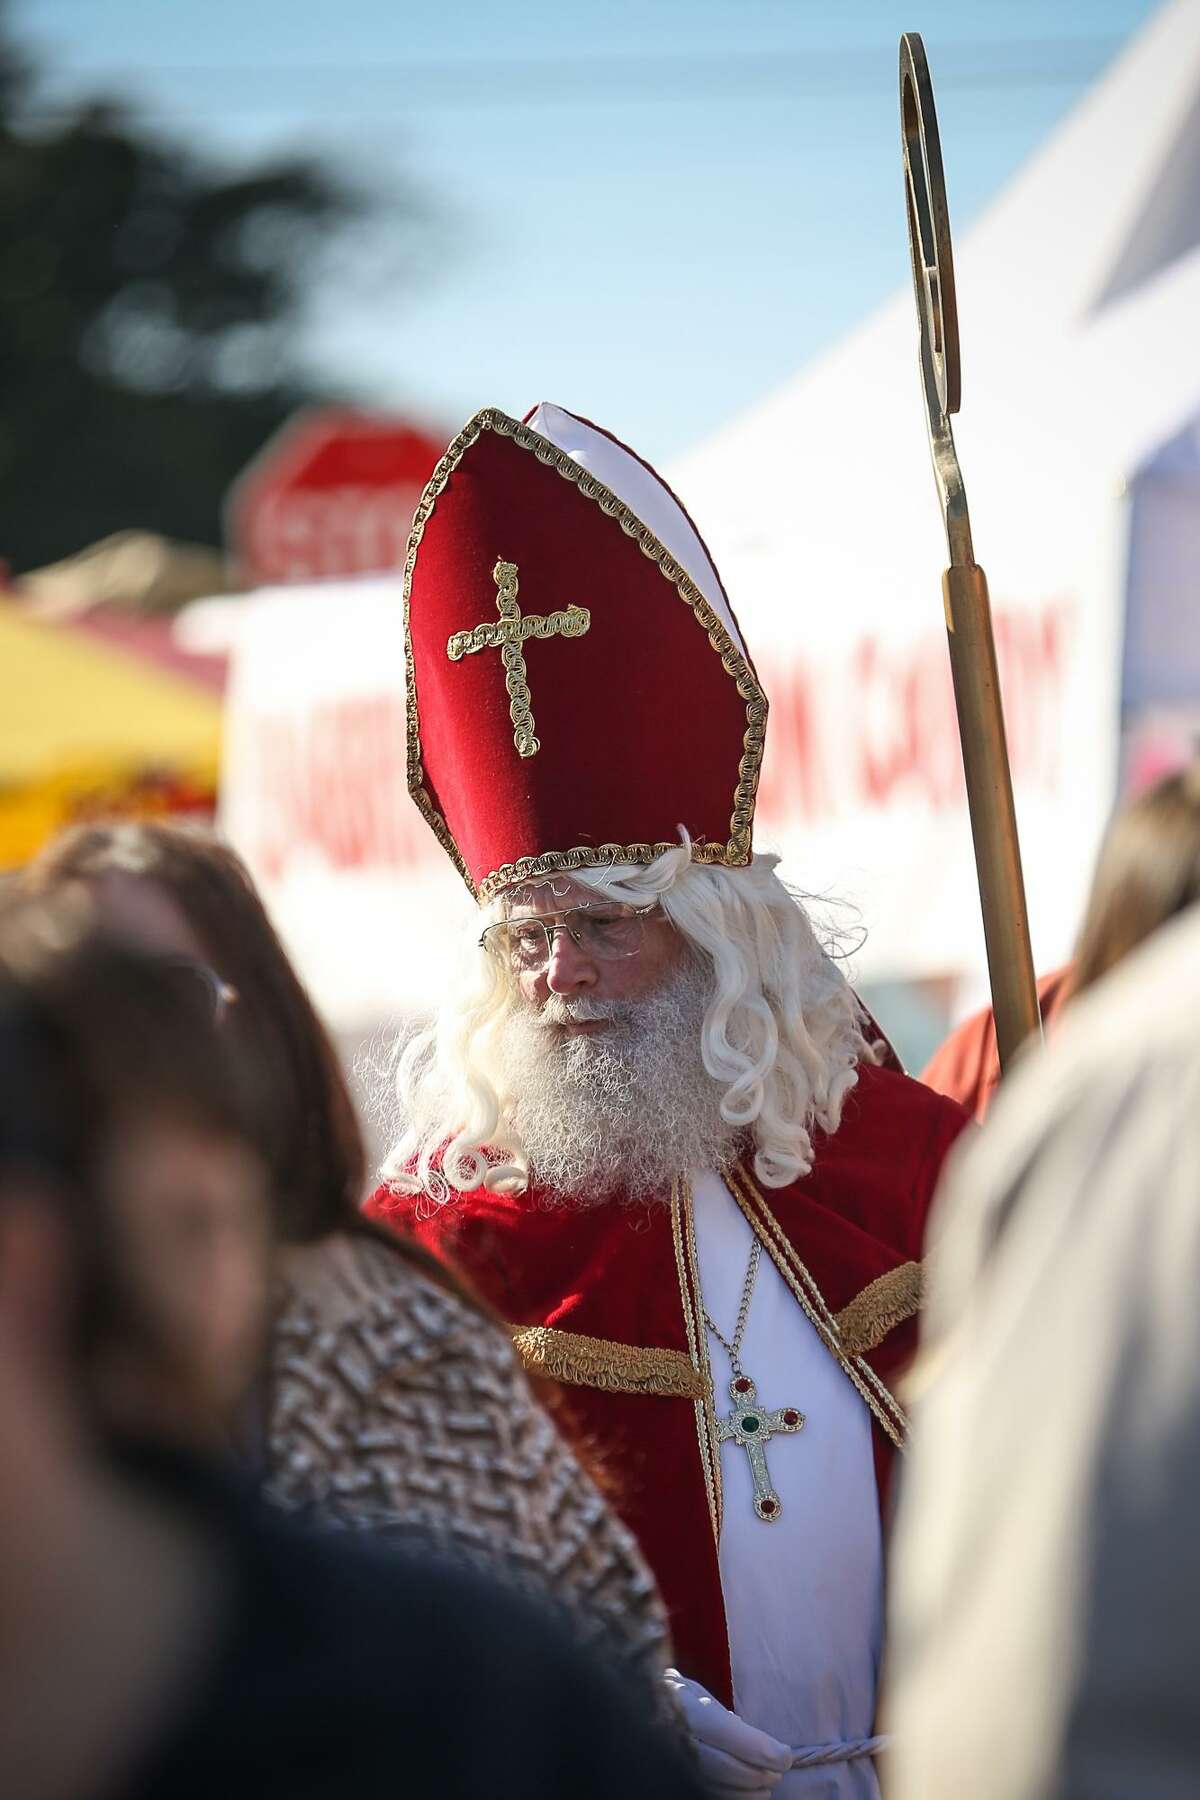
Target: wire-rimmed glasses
605 933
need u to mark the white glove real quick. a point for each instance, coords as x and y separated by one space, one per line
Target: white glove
735 1758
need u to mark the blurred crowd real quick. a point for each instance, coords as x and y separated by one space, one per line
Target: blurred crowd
200 1334
282 1511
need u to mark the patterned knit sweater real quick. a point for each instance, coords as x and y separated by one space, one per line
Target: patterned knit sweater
394 1406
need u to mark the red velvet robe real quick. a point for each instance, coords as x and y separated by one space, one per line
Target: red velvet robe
612 1281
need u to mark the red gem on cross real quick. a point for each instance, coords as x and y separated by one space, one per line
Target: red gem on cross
790 1417
768 1507
742 1386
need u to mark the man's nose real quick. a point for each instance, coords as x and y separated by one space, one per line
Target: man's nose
569 968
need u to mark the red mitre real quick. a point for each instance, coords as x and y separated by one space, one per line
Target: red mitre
578 687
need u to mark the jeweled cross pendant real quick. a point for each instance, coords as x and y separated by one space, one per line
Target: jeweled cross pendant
752 1428
507 634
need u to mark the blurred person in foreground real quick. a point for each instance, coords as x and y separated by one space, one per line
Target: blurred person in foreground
128 1091
161 1635
1148 872
1046 1597
388 1399
649 1120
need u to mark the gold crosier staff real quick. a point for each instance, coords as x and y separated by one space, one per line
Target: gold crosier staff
964 584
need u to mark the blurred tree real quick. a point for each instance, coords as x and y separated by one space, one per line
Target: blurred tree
147 320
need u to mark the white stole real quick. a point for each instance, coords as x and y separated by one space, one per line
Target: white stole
804 1593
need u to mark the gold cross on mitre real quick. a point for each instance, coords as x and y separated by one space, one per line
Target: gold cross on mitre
507 634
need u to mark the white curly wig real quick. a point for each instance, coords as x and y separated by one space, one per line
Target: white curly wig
783 1033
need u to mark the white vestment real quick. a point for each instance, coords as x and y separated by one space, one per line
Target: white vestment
804 1593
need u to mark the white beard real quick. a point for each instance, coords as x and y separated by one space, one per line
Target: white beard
625 1111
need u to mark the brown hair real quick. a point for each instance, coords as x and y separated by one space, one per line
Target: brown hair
308 1128
1148 870
94 1037
314 1146
119 1036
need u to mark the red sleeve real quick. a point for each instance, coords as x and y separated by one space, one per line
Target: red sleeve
967 1065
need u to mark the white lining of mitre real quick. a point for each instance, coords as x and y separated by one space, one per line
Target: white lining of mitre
644 493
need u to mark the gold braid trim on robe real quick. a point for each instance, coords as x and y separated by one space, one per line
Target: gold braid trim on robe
594 1362
581 1361
882 1305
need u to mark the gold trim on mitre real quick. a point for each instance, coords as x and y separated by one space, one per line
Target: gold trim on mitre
580 1361
735 852
879 1307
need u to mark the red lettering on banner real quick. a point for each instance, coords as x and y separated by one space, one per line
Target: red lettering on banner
907 736
334 782
906 710
794 776
890 721
910 725
1030 653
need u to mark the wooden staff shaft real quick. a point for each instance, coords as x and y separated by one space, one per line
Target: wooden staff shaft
993 815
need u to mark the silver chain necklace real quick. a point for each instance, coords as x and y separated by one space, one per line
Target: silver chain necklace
748 1425
733 1346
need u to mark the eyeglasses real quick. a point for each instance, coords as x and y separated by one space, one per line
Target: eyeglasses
201 984
608 933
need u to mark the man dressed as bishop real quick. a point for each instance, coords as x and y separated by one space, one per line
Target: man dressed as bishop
651 1122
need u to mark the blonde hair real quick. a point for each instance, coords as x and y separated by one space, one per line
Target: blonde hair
783 1033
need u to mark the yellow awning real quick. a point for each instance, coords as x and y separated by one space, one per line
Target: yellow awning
84 725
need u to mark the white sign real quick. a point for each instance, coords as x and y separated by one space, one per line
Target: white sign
314 796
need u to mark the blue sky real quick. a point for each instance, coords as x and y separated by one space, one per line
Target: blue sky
652 211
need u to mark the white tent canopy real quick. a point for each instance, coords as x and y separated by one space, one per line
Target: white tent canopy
1079 301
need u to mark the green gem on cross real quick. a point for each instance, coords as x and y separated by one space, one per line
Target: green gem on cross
750 1423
